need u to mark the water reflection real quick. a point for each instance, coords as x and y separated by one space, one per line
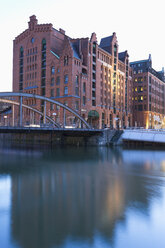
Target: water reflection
75 196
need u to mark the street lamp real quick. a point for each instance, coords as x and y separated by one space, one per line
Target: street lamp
5 117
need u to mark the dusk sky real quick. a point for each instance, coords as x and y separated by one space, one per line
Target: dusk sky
139 26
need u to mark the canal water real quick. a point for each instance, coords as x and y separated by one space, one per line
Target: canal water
82 198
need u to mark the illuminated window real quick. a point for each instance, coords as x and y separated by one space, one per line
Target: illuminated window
136 98
141 98
135 79
136 89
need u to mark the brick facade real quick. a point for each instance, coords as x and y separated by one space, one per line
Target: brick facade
95 80
148 95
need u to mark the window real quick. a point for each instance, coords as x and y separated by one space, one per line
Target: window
21 52
77 79
84 100
51 106
115 50
52 81
93 94
66 58
43 82
43 56
84 87
43 92
44 73
52 92
65 90
94 76
43 63
57 107
77 91
58 80
140 107
52 70
77 105
94 47
94 59
57 91
65 79
94 67
93 102
93 85
43 45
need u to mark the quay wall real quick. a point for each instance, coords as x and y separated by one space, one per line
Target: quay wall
56 137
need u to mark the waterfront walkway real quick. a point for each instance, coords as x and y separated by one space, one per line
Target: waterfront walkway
144 135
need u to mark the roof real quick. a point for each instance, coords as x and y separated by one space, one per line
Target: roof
122 56
75 47
106 43
54 54
140 61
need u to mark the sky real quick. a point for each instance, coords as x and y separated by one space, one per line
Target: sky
139 26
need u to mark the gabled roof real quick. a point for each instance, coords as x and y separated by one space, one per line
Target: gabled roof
106 43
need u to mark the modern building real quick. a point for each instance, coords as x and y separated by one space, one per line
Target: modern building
95 80
148 95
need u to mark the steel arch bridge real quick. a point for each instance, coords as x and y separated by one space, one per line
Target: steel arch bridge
19 103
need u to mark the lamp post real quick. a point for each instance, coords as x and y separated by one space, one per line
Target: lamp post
5 118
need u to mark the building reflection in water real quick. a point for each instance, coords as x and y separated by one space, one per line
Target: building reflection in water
65 196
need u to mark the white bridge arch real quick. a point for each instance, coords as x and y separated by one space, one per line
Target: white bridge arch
45 99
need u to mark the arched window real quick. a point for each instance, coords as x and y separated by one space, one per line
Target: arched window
52 70
43 45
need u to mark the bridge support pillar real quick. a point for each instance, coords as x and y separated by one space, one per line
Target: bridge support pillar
64 120
20 111
44 121
13 115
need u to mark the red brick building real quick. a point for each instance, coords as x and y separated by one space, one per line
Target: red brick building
95 80
148 95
